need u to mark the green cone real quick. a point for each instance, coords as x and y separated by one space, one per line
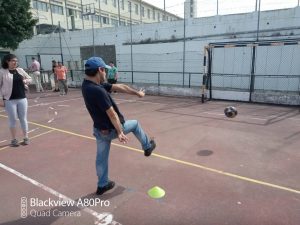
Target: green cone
156 192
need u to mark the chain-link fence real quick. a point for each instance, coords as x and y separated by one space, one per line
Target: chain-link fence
145 77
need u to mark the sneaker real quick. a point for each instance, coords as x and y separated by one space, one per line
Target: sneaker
25 141
149 151
101 190
14 143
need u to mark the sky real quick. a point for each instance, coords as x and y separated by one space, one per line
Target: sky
209 7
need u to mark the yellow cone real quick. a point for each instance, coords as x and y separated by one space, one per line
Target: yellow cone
156 192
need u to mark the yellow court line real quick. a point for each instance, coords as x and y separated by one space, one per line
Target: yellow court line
179 161
38 135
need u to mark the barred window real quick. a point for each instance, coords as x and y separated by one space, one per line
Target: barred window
136 9
57 9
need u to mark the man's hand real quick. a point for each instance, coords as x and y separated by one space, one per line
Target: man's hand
122 138
141 93
126 89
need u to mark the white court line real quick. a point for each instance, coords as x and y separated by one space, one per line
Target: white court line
101 218
253 118
33 130
131 101
3 141
207 112
49 103
155 103
220 114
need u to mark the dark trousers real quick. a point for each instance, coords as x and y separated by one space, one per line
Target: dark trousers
63 87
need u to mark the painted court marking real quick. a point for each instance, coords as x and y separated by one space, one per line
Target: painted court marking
38 135
49 103
134 101
33 130
209 112
101 218
156 103
251 180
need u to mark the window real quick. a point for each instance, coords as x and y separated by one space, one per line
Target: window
87 17
136 9
129 6
114 2
57 9
158 16
105 19
122 22
148 13
71 12
122 4
153 15
105 2
40 5
96 18
114 21
143 11
34 4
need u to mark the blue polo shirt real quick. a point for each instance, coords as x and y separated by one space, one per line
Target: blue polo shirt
97 100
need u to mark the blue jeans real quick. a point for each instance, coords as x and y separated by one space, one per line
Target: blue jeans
103 146
17 109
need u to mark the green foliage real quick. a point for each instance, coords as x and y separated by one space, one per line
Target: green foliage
16 22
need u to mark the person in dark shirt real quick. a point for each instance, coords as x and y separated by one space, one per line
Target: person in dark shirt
109 123
54 64
13 81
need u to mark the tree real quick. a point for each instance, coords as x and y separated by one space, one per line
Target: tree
16 22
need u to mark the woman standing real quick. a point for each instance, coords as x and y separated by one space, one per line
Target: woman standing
13 81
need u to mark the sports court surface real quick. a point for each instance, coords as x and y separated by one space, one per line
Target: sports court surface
215 170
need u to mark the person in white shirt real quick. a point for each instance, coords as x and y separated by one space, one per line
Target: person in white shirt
35 69
13 80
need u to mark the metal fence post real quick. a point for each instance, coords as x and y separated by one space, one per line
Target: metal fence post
209 78
252 77
158 78
189 80
72 77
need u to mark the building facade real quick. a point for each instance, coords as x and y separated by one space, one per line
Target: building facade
85 14
190 9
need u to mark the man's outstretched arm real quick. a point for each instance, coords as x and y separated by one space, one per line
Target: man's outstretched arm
126 89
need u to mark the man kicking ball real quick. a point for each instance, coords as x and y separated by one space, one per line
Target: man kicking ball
109 123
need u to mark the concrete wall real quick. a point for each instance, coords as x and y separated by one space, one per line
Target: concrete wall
163 45
158 47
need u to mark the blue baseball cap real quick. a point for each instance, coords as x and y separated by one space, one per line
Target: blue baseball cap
95 63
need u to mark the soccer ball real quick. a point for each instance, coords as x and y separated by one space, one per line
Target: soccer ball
230 111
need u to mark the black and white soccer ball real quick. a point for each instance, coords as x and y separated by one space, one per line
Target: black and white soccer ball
230 111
